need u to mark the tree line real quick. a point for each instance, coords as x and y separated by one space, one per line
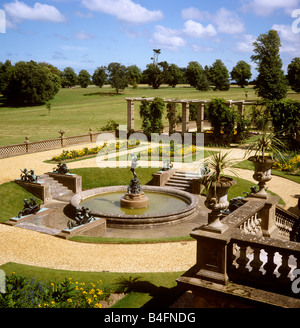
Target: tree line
36 83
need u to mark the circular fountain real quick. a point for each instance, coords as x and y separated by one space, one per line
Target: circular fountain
137 206
166 206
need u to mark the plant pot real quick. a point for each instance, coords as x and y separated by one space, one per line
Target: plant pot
262 174
216 201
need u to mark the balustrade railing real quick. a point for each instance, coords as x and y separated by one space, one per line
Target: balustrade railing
264 263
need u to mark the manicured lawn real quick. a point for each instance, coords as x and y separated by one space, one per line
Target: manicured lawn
77 110
11 200
145 290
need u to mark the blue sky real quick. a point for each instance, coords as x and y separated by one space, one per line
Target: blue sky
86 34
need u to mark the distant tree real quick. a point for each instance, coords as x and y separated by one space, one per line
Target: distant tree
134 74
174 75
84 78
30 84
153 75
193 72
68 77
293 74
241 73
99 76
56 75
219 76
271 82
117 76
5 73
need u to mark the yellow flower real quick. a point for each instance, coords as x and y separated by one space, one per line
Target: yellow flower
98 305
69 300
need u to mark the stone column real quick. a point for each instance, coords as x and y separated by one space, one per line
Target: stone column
200 117
172 113
185 116
241 108
130 114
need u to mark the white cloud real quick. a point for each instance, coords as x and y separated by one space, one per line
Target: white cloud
290 41
18 11
167 38
225 20
195 13
197 48
246 45
228 22
82 35
125 10
267 7
197 30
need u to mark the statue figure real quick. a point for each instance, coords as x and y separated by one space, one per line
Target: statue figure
61 168
167 165
29 207
28 176
134 164
82 216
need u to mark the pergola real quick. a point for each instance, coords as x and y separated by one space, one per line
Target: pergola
185 103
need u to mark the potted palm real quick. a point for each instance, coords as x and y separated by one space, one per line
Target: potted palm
263 151
217 186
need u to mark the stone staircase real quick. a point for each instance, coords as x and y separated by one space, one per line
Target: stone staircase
182 180
57 190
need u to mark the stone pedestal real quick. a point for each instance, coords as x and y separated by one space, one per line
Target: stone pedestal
134 201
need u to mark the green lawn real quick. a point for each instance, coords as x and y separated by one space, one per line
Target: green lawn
145 290
77 110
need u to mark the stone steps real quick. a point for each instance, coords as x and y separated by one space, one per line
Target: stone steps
182 180
57 190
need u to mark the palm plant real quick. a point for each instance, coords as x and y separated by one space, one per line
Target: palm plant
265 146
217 163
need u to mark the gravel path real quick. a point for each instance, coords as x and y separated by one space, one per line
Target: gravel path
34 248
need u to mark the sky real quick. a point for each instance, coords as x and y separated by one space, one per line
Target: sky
86 34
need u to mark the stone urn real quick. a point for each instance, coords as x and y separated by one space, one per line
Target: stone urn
262 174
216 201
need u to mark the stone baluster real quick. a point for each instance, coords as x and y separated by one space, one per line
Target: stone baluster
256 263
270 266
243 259
284 269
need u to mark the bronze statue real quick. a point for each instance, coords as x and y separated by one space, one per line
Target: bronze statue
61 168
82 216
28 176
29 207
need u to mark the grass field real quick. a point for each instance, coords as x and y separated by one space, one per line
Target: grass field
77 110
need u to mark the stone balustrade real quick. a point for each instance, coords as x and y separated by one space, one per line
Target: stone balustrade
249 255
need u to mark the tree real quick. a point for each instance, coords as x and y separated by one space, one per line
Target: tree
271 82
5 73
153 76
241 73
84 78
30 84
99 76
134 74
117 76
193 72
68 78
293 74
174 75
219 76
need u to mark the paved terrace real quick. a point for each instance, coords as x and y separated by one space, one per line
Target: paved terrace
21 245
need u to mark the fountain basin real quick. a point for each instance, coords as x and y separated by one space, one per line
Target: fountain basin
178 206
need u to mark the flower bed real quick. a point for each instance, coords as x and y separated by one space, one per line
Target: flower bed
161 151
22 292
289 164
85 152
